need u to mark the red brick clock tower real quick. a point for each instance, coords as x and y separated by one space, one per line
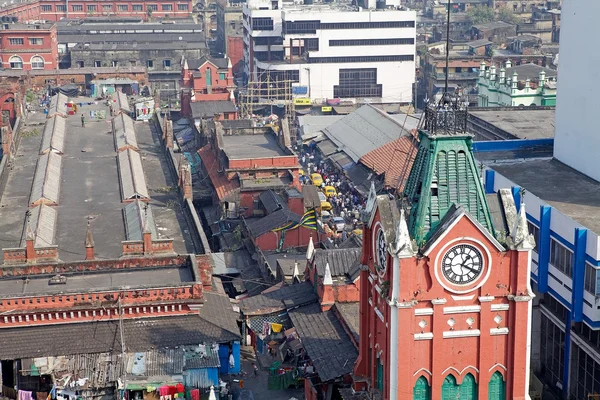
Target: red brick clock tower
445 302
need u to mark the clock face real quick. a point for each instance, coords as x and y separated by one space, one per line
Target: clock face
381 252
462 264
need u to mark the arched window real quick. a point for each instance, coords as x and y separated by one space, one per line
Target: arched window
16 62
497 387
422 391
37 62
466 391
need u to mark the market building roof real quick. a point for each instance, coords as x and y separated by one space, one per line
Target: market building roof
131 175
271 201
104 336
42 222
53 138
350 313
278 298
47 180
363 130
326 342
340 261
392 160
208 108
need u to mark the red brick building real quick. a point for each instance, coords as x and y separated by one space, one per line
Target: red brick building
242 166
206 79
445 295
28 46
48 10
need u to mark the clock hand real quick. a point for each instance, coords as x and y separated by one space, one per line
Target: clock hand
470 268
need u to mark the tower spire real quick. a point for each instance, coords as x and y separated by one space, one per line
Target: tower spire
327 279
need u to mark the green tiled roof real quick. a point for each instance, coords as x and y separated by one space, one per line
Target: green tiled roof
444 173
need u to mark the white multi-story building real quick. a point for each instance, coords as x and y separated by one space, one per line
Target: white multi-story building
332 50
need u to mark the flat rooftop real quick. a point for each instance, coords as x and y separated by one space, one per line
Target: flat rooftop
562 187
522 124
239 147
163 276
90 188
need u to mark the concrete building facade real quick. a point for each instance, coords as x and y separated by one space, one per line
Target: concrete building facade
28 46
331 51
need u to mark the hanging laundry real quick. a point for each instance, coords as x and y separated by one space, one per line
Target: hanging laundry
276 327
179 387
172 390
266 327
24 395
195 394
231 361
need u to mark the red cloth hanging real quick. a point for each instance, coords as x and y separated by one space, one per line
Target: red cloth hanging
179 387
163 390
172 390
195 394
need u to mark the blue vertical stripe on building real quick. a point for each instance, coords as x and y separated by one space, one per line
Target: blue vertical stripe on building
544 248
579 273
490 174
567 355
516 192
235 349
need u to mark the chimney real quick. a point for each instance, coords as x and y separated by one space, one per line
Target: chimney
169 133
29 240
89 243
147 233
185 179
327 299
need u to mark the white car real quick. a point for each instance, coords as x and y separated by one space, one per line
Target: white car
338 224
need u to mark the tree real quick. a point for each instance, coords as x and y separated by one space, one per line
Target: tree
506 15
480 14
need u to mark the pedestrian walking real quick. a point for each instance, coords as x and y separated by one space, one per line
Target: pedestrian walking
82 121
255 369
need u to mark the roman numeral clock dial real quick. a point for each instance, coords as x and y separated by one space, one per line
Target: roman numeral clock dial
462 264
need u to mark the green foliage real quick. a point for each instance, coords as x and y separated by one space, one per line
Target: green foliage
483 14
29 95
506 15
480 14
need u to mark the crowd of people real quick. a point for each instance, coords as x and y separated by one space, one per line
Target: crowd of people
347 202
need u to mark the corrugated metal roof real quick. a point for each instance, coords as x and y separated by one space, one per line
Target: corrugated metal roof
131 174
202 356
124 133
135 213
340 260
46 181
43 225
53 138
156 362
58 105
122 101
362 131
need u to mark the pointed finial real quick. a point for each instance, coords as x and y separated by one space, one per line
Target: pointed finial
29 235
310 249
327 279
296 272
146 223
521 238
89 238
403 247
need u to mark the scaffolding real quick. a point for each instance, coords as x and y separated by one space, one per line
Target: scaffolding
268 90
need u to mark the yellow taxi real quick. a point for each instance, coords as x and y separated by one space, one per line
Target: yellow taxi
326 206
301 172
329 191
316 179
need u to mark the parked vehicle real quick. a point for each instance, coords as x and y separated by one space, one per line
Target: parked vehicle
316 179
329 191
337 223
